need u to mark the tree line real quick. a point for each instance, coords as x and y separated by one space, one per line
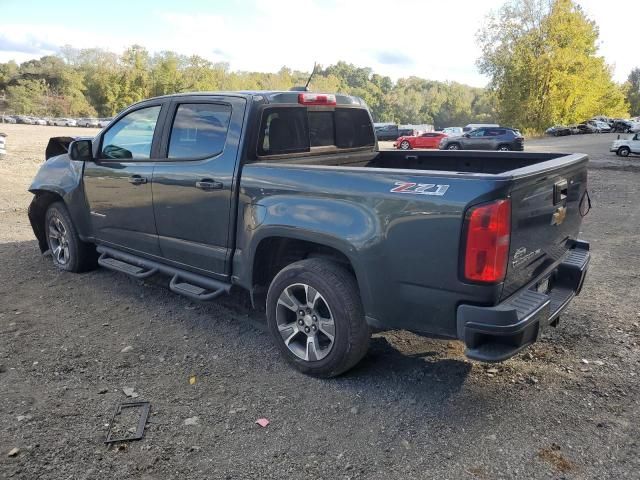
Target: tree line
91 82
541 56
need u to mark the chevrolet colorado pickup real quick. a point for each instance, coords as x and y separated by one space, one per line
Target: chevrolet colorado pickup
285 194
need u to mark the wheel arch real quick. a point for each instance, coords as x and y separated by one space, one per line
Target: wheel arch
276 249
38 209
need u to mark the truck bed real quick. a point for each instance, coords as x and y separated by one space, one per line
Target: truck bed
461 161
453 163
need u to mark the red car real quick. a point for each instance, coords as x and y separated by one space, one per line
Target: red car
426 140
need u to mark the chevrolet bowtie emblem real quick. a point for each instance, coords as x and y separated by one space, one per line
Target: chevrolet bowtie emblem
559 215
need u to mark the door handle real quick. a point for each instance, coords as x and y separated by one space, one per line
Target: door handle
137 180
208 184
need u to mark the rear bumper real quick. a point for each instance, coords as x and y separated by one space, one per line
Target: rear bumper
494 334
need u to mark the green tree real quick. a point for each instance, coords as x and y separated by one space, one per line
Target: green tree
542 59
632 91
8 73
27 96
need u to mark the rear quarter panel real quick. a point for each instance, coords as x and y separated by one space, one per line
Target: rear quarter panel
404 247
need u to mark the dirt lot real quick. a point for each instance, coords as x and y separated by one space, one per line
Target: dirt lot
415 408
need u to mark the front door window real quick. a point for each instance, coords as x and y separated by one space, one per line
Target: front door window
131 136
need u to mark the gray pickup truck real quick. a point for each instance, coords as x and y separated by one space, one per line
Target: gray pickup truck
286 195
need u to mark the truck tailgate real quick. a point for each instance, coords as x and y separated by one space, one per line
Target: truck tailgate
547 207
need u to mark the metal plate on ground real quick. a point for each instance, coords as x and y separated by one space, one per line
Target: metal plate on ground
115 435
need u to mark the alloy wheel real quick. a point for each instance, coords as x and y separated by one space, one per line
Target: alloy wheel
59 240
305 322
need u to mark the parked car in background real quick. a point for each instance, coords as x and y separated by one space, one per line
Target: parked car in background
65 122
473 126
625 146
103 122
24 120
426 140
88 122
599 126
386 131
3 143
453 131
8 119
558 131
603 119
490 138
586 128
622 126
407 132
574 129
39 121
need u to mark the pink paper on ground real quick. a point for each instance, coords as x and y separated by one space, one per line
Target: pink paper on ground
263 422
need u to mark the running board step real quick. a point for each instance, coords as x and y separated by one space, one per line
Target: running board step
190 290
124 267
189 284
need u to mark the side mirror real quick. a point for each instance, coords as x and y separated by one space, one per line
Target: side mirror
466 135
81 150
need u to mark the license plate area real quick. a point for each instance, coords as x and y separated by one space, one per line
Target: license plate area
543 286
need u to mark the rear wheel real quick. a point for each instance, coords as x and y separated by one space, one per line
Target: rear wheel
316 318
624 151
453 146
67 250
405 145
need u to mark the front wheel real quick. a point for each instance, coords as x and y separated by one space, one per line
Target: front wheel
404 145
316 319
67 250
453 146
503 148
624 151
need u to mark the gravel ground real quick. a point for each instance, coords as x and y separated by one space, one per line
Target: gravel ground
414 408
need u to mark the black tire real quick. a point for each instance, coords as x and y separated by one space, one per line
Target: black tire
73 255
624 151
503 148
339 293
453 146
405 145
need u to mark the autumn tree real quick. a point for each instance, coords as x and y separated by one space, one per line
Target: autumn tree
544 66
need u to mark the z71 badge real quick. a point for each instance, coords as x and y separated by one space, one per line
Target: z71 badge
420 188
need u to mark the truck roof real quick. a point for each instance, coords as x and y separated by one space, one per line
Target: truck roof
271 96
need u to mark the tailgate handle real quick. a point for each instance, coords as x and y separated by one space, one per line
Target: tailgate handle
560 190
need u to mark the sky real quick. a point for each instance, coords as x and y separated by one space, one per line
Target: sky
432 39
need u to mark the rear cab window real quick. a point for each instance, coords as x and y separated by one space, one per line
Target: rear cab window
299 129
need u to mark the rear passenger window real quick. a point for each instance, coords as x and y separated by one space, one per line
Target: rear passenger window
199 130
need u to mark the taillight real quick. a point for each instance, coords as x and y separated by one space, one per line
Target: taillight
488 228
316 99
